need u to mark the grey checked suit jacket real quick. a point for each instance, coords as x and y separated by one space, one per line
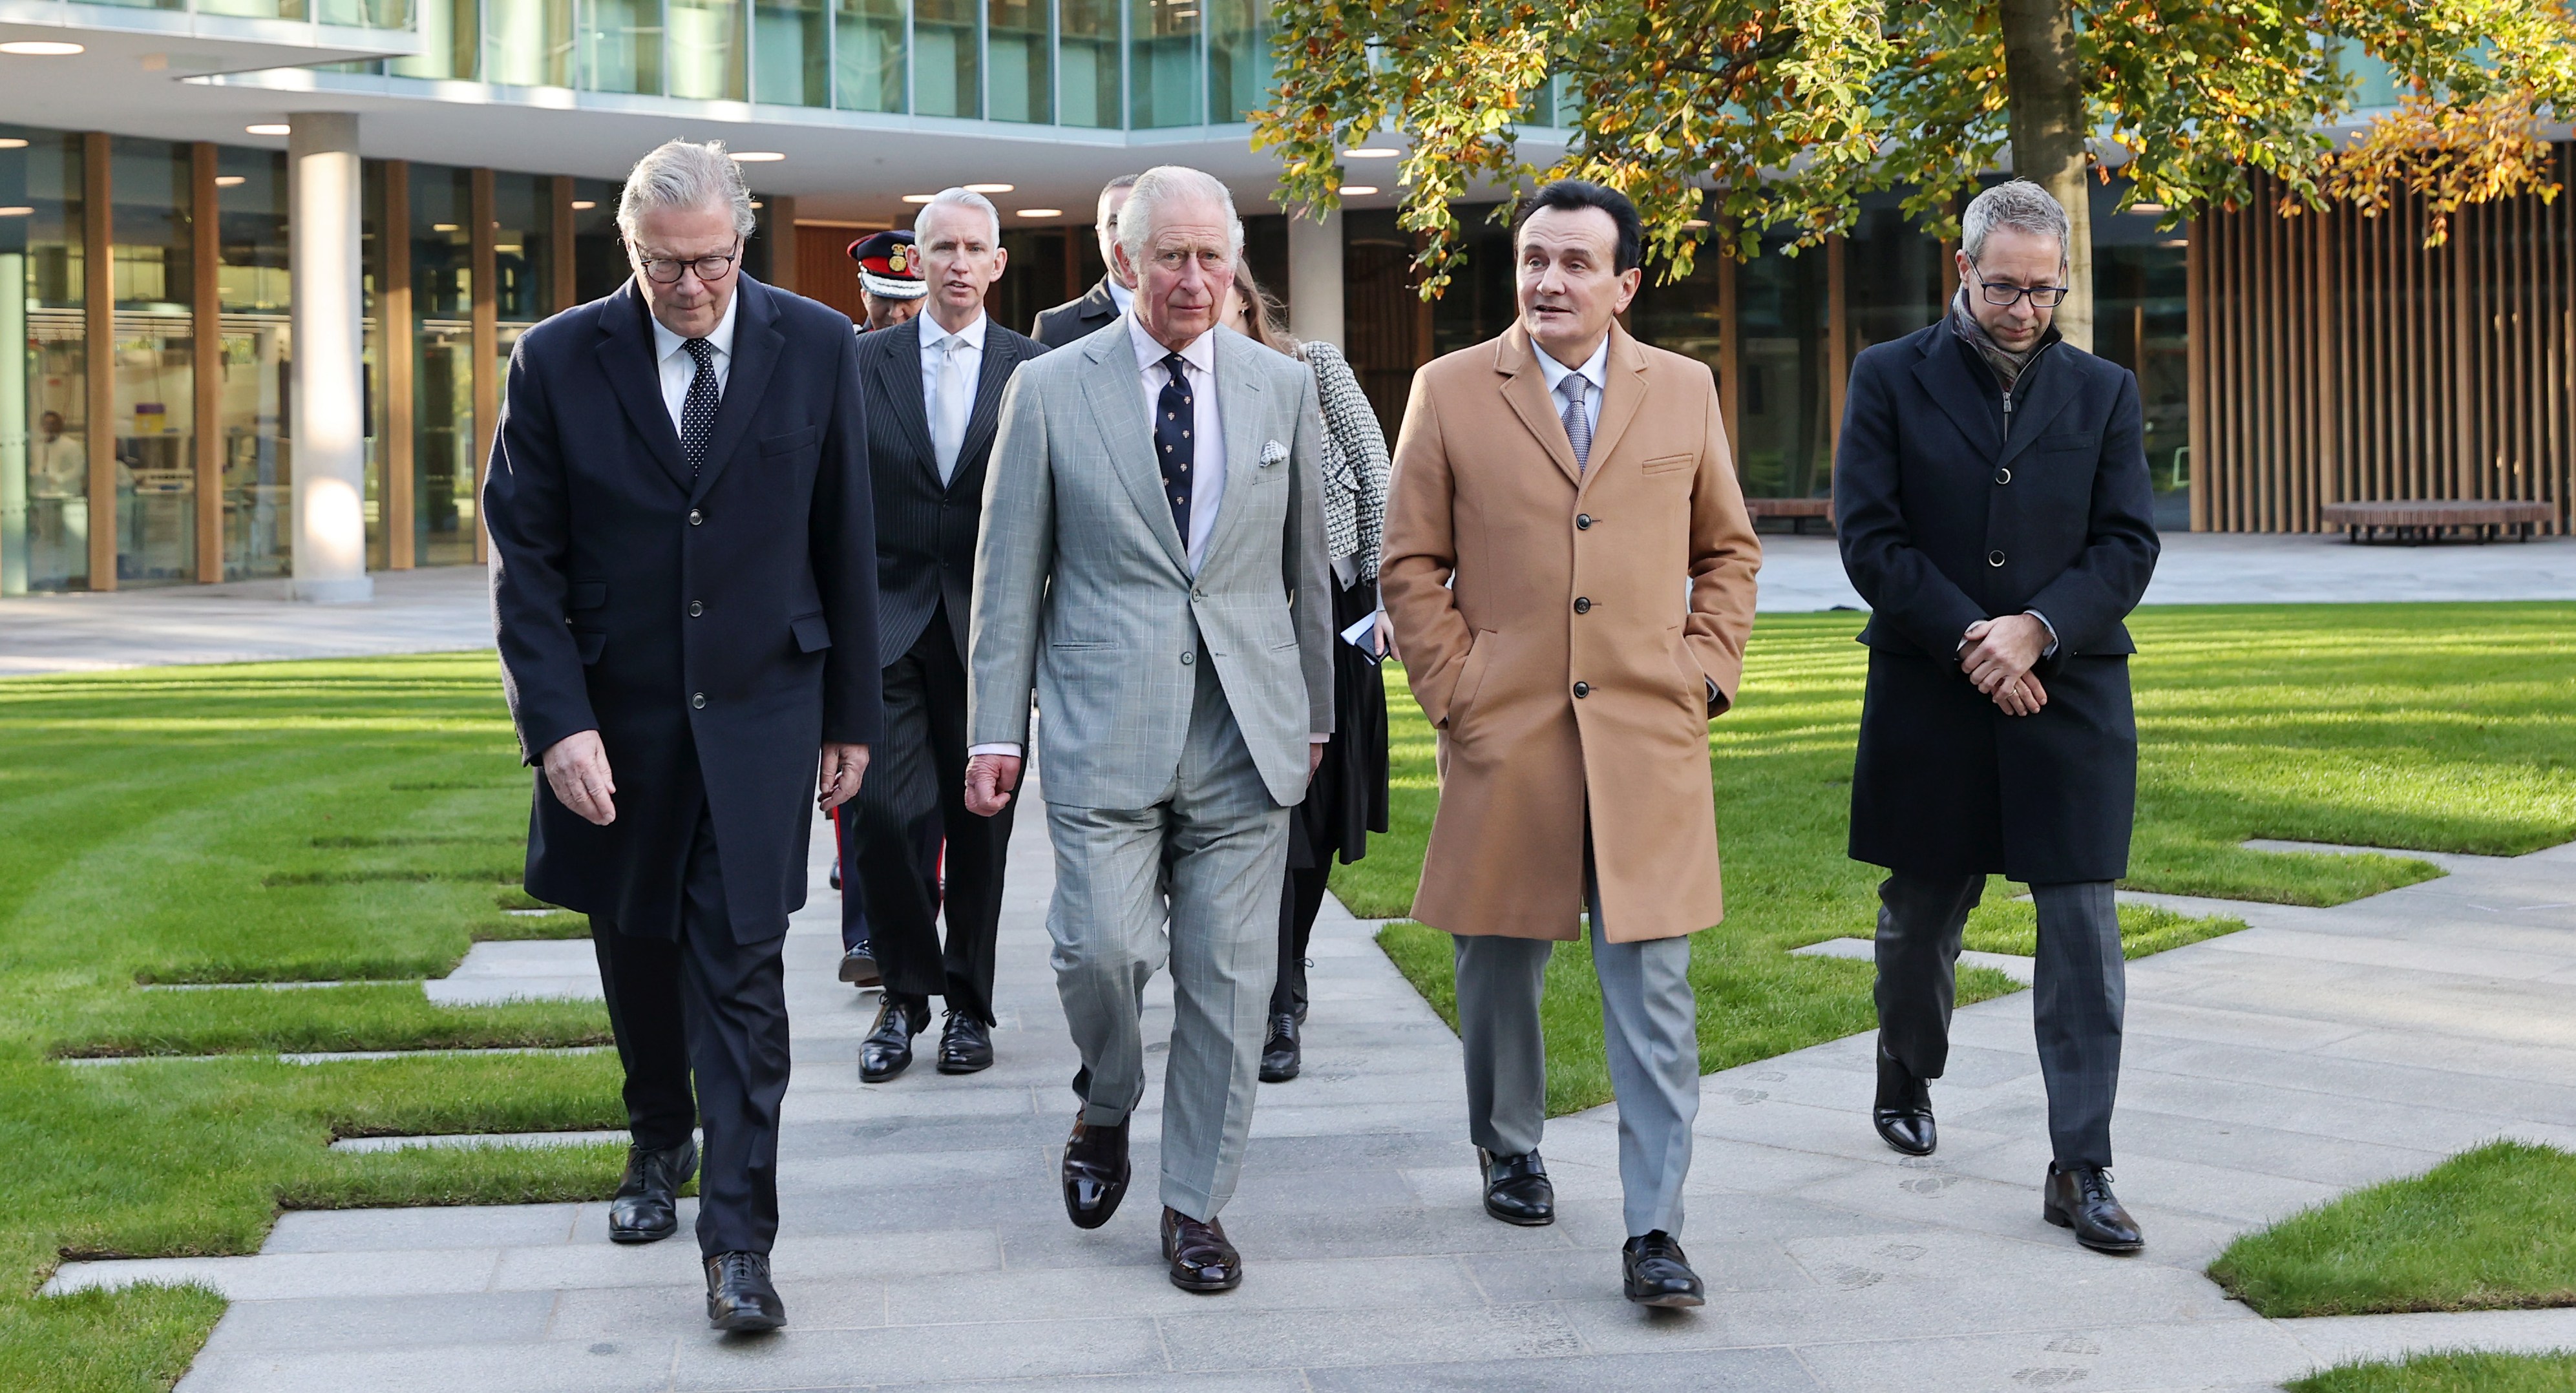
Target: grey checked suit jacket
1083 588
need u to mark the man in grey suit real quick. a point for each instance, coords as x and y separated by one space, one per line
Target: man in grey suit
1153 565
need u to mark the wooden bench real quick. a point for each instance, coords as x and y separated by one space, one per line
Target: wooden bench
1796 510
2419 521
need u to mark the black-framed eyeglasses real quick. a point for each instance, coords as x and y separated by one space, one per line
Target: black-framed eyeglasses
664 270
2046 297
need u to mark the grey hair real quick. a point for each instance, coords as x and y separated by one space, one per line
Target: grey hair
684 174
1100 217
1172 183
2016 203
962 198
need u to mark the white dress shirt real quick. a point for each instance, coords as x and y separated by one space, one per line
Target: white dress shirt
1207 434
1595 373
678 369
1119 295
948 420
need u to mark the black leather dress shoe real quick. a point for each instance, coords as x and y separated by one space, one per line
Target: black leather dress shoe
1658 1274
1202 1258
739 1294
1903 1114
859 968
1281 1056
966 1045
2080 1198
888 1049
1095 1172
1517 1190
646 1209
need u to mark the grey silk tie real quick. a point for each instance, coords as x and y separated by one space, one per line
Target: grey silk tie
1578 426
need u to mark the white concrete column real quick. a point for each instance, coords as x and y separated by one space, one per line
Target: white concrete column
324 263
1315 277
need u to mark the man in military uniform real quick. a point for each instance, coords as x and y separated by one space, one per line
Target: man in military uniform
890 277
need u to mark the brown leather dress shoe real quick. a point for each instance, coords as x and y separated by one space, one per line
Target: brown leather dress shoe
1201 1257
1095 1172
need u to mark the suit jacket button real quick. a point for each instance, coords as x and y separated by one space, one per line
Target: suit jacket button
1582 522
697 608
1994 558
697 701
1583 604
1582 689
1188 658
696 517
2003 476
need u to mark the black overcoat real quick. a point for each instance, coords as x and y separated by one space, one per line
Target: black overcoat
1951 509
715 633
925 529
1076 319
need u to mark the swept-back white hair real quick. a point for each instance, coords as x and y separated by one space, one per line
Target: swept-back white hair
961 198
1167 184
684 174
2017 203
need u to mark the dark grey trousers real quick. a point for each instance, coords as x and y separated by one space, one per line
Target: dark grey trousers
2080 994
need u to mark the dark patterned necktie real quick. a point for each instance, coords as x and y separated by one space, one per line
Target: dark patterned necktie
1173 416
698 413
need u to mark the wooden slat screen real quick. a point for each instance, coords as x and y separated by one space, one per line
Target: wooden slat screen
2336 358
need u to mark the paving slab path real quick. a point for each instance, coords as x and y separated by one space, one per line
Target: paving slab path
924 1242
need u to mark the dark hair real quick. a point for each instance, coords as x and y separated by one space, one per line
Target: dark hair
1581 193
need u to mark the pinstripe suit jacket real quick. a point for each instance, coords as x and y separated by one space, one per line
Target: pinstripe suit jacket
1083 589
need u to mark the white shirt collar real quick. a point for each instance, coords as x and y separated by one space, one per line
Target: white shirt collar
1200 354
1119 295
972 335
1595 369
666 343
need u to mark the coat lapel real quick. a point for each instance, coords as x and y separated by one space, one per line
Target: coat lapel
1000 355
2051 390
756 342
1959 396
626 356
899 371
1127 436
1239 402
1525 387
1621 395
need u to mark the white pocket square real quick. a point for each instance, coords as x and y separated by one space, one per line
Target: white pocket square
1272 452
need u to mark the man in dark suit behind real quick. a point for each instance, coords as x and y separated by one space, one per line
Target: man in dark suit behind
1991 497
934 387
1079 319
684 589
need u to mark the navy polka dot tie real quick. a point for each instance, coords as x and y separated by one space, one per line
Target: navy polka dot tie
698 413
1173 417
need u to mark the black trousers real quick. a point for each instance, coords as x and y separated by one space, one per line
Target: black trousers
705 1005
1300 900
914 799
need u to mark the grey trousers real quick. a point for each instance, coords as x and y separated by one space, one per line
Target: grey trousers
1193 879
2080 995
1650 1023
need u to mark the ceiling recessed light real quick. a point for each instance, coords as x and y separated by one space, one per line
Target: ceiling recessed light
17 212
230 181
12 142
442 227
1357 190
990 188
756 203
758 156
919 197
1695 224
1371 152
584 205
40 48
1041 212
270 128
2150 209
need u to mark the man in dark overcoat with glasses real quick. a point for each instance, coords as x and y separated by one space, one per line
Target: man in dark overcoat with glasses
1993 507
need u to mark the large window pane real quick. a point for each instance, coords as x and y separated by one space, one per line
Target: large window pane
523 246
869 55
442 297
250 279
1163 63
1891 272
1238 58
2142 322
1782 314
706 49
621 45
598 256
1022 53
791 54
44 438
1087 48
528 43
450 41
944 67
155 357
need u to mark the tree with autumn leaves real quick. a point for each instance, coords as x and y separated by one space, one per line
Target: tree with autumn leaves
1786 111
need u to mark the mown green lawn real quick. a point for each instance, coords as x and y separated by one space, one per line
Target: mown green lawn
2432 727
2449 1372
353 821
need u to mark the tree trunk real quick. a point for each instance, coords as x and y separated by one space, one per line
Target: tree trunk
2046 87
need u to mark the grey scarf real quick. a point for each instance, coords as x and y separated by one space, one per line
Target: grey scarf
2007 364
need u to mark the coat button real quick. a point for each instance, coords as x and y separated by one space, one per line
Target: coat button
1994 558
1582 689
1582 522
1188 658
697 608
696 517
2003 476
697 701
1583 604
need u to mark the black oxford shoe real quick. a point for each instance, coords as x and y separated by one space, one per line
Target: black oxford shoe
1202 1258
1903 1113
739 1294
646 1209
1658 1274
1517 1190
1281 1057
966 1045
888 1049
2080 1198
859 968
1095 1172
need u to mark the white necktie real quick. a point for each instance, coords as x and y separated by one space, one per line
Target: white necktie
948 408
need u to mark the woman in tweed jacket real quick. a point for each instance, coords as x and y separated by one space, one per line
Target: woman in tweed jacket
1347 800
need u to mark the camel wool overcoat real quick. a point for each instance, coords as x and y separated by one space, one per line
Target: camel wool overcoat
1569 632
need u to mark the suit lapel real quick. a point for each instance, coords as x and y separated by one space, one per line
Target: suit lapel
999 356
1239 402
1525 387
2049 395
1621 394
1117 398
899 370
1959 395
756 342
626 356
